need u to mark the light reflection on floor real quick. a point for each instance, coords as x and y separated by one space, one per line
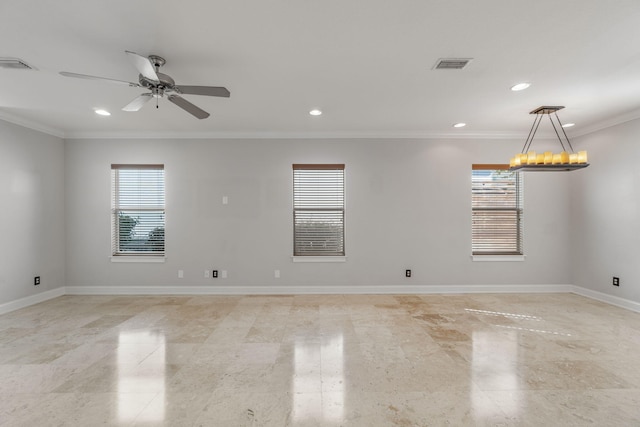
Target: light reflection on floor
310 402
518 317
494 361
147 377
501 314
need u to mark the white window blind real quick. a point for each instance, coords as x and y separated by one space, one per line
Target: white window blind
137 210
318 210
497 210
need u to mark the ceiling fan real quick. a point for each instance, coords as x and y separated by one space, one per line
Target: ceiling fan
159 84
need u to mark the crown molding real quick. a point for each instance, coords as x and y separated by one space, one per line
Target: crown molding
617 120
29 124
298 135
383 135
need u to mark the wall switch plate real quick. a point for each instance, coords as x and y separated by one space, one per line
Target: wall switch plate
214 274
616 281
225 200
36 280
407 273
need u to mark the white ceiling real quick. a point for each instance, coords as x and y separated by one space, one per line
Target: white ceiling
367 64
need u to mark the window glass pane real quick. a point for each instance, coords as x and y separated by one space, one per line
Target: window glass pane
140 231
318 210
138 218
496 203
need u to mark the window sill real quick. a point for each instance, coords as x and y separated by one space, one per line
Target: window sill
498 258
319 258
138 259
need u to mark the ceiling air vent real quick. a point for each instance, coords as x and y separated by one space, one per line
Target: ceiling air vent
451 63
14 64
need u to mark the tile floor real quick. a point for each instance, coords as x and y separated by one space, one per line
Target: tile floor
433 360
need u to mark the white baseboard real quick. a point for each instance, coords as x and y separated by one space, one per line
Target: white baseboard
314 290
31 300
609 299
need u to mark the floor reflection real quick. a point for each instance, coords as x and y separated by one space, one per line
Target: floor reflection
319 395
502 314
514 316
539 331
494 363
306 405
332 353
147 376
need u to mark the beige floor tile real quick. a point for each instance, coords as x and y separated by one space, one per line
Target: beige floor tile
330 360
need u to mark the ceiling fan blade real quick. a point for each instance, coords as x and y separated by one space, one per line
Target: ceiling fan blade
85 76
137 103
143 65
204 90
188 107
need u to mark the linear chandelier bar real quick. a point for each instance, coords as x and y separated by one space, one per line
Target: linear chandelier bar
567 160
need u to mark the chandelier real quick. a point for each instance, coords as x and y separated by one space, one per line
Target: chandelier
566 160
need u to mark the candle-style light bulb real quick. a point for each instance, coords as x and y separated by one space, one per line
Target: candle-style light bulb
582 157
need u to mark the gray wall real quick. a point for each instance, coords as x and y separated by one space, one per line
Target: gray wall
32 214
408 206
605 208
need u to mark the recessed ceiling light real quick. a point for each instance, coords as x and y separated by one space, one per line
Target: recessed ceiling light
315 112
568 125
103 112
459 125
520 86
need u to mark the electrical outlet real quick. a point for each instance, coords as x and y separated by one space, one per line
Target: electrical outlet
616 281
214 274
206 274
407 273
223 274
180 274
36 281
276 274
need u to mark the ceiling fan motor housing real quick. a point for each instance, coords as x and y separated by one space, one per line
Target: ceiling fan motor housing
165 83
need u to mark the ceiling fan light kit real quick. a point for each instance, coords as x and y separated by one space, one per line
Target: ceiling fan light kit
565 161
159 84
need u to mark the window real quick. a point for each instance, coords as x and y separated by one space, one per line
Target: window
318 210
496 205
137 210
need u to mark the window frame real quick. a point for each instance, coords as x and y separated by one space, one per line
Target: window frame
149 203
498 252
304 204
